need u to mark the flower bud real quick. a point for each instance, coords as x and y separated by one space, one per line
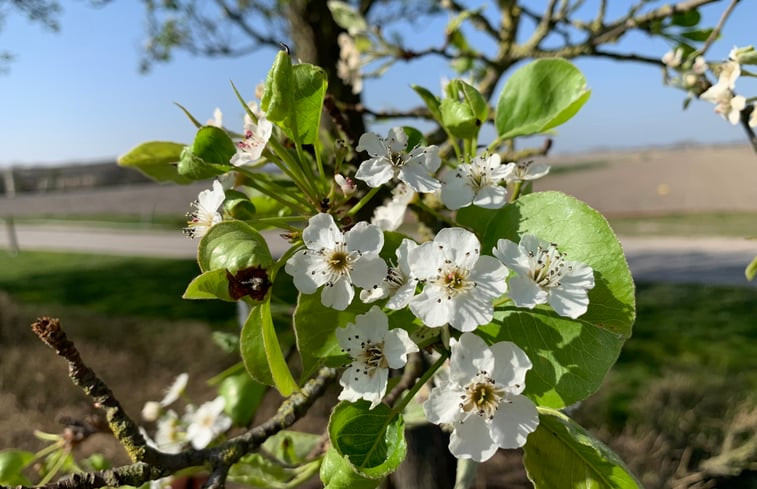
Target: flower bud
743 56
151 411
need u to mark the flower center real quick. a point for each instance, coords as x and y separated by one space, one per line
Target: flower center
454 281
548 266
373 357
482 396
480 176
339 261
398 160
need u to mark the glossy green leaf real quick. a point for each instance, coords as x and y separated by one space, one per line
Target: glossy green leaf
367 445
12 463
539 96
293 98
314 326
473 98
212 284
277 100
243 396
261 351
255 470
233 245
562 454
571 357
209 154
459 118
688 18
431 101
238 205
698 35
751 269
156 159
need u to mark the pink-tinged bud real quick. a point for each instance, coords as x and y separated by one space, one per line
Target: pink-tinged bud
346 184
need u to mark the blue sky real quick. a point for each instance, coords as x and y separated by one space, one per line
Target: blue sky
77 95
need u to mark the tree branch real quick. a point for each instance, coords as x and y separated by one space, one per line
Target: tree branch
152 464
719 27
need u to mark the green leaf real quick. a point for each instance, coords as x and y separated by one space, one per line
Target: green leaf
189 115
209 155
751 270
293 98
689 18
314 326
367 445
562 454
571 357
431 101
347 17
464 110
157 160
699 35
238 205
12 462
540 96
279 89
256 471
233 245
243 396
262 353
291 447
212 284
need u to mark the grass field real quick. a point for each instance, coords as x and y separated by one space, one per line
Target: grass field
687 373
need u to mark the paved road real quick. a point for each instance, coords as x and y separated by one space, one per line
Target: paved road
676 260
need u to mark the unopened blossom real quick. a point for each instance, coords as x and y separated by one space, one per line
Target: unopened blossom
526 170
374 350
337 261
346 184
217 119
391 215
673 58
389 160
151 411
544 275
206 212
700 65
482 399
479 182
459 283
207 422
398 284
348 65
256 136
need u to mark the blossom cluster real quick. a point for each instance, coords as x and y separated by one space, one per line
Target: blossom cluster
446 280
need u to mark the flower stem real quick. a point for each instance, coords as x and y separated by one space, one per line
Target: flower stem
516 191
366 198
400 406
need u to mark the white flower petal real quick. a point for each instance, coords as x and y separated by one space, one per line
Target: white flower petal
402 296
372 144
357 384
490 276
396 140
459 245
491 197
337 295
364 237
469 312
306 271
321 232
425 260
512 255
375 171
443 403
456 192
368 271
513 422
568 302
525 293
467 356
397 344
471 439
510 366
430 308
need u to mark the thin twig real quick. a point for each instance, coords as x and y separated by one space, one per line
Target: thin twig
719 27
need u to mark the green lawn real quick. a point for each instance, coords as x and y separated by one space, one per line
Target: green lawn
737 224
110 285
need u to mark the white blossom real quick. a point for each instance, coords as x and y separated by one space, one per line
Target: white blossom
348 65
151 411
459 283
700 65
176 389
206 212
170 436
545 276
337 261
374 350
726 103
206 423
399 283
478 182
217 119
482 399
526 170
673 58
256 136
390 160
391 214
